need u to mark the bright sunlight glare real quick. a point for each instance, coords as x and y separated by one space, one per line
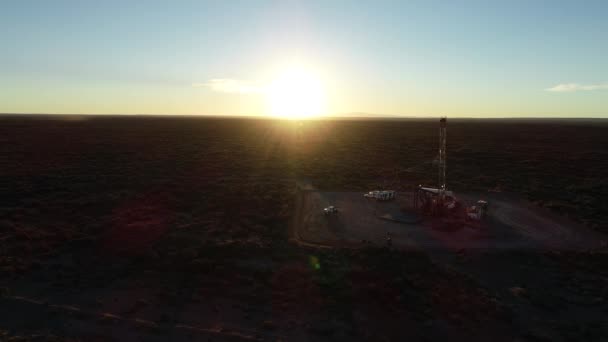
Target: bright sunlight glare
296 94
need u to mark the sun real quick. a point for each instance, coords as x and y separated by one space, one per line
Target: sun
296 94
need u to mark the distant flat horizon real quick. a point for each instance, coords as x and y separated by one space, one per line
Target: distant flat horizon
334 117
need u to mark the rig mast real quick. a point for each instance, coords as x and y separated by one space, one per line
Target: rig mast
442 157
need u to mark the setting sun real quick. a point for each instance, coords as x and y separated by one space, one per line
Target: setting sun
296 94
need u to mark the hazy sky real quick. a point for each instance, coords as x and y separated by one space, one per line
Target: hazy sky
473 58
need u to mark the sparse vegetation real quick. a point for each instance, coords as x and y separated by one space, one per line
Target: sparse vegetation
151 225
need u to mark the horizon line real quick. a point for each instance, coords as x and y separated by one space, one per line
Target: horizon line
354 115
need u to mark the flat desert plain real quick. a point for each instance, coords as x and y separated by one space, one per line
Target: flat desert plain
182 229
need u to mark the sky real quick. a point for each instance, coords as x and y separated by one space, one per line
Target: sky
393 58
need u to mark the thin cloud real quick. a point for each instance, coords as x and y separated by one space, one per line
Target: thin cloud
228 85
572 87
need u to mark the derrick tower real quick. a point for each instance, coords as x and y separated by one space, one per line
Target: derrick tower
442 157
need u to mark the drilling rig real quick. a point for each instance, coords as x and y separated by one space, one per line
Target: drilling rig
442 158
437 201
440 201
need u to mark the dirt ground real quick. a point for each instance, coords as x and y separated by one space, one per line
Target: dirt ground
511 223
181 229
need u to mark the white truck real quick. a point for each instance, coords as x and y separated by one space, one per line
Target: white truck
330 210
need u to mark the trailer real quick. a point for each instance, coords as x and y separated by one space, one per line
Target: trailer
381 195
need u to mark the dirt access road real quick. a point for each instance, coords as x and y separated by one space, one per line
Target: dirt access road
511 224
543 268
